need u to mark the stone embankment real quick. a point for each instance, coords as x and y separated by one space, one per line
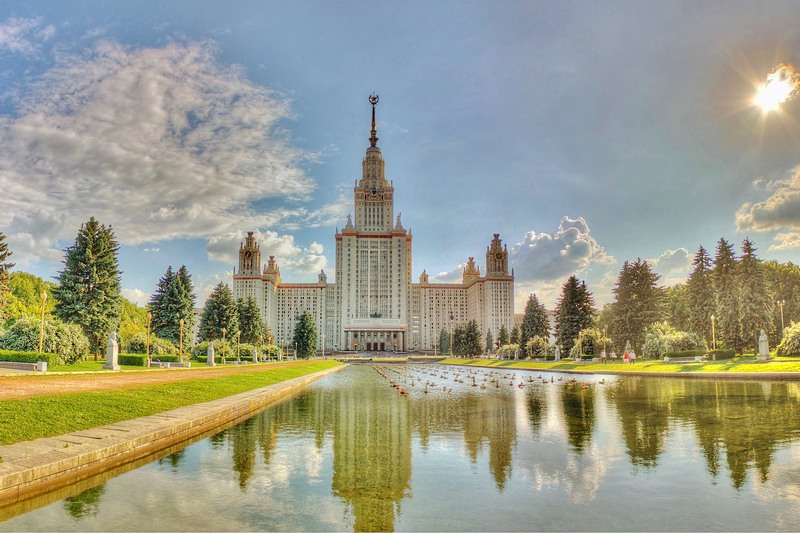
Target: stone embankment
45 465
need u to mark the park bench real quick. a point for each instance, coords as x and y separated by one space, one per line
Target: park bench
690 359
41 366
169 364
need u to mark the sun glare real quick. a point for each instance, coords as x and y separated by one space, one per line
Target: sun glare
782 85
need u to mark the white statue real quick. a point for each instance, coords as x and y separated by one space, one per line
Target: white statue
210 355
763 347
112 353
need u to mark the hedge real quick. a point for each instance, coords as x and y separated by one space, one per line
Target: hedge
722 353
29 357
686 353
135 359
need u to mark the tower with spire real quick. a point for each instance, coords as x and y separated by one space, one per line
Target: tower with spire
373 305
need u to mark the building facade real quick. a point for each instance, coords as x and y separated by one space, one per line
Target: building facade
373 305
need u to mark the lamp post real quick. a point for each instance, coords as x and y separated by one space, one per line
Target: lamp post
222 349
713 335
295 350
780 304
180 352
238 346
605 338
43 296
149 321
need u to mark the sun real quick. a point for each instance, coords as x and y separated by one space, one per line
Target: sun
781 86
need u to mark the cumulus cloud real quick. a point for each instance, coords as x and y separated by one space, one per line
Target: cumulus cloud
290 256
158 142
779 211
672 265
24 36
550 256
453 276
137 296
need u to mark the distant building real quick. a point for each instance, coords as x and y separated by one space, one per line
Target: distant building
373 305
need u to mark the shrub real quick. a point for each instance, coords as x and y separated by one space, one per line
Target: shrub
29 357
536 347
135 359
722 353
66 340
271 351
661 338
158 346
790 345
221 349
508 351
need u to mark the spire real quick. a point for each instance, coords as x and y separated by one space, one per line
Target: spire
373 140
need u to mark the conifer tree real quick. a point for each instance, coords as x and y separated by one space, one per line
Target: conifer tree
514 339
250 323
702 301
755 302
502 337
639 302
5 267
188 299
88 291
575 311
489 341
219 312
726 297
473 342
163 307
444 342
535 323
305 336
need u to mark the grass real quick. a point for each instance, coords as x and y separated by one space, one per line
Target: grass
739 364
47 416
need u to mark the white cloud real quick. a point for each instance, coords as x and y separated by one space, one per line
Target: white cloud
137 296
157 142
290 256
151 250
779 211
672 265
24 36
453 276
551 256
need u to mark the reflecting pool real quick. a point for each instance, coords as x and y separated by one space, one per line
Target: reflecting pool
481 450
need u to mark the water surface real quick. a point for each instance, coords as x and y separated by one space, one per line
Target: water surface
507 450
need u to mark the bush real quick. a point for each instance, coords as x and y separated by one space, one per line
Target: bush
220 350
661 338
272 351
790 345
536 347
135 359
687 353
66 340
29 357
722 353
158 346
508 351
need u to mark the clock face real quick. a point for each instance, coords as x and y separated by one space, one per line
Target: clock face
374 191
498 256
248 253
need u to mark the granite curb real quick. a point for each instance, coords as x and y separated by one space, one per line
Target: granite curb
42 465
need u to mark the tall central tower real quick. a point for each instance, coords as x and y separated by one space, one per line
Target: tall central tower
374 196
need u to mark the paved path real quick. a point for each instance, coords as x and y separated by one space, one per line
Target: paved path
28 385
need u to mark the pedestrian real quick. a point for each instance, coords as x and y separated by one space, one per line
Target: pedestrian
603 356
625 358
614 356
633 357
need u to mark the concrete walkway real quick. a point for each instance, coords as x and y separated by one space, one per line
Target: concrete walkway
32 468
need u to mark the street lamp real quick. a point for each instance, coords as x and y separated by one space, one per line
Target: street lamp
180 353
43 296
238 346
222 349
149 321
780 304
713 335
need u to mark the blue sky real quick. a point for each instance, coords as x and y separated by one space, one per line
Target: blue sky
585 133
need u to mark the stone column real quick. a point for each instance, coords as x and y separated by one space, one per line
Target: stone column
210 354
112 353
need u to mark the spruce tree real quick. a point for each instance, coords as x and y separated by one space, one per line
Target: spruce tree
163 306
250 323
702 302
639 302
5 276
489 341
677 306
514 339
575 312
473 342
459 340
535 323
188 299
88 291
444 342
305 336
219 313
726 297
755 302
502 337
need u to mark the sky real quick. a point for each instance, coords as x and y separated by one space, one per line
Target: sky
584 133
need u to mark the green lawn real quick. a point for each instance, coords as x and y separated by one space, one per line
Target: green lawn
739 364
46 416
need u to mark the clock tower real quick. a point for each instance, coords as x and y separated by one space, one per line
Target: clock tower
249 256
496 258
